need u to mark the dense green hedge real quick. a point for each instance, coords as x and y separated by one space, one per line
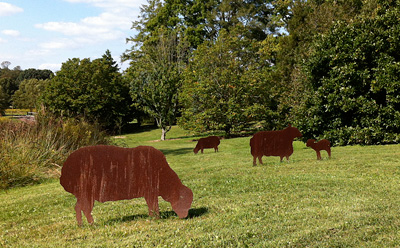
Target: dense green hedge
354 74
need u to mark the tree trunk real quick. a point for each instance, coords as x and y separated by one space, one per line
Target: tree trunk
228 128
163 133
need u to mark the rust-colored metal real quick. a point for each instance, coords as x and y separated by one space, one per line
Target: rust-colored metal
273 143
320 145
110 173
208 142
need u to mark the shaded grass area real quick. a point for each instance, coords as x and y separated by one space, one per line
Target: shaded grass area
350 200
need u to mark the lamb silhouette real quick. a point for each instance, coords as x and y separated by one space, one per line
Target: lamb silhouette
320 145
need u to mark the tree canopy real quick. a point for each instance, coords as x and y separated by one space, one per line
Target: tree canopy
197 26
94 89
330 67
3 101
10 80
155 77
227 86
28 94
354 76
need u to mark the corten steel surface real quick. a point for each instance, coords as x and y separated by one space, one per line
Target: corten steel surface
320 145
208 142
110 173
273 143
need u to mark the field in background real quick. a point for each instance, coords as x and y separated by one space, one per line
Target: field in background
13 112
350 200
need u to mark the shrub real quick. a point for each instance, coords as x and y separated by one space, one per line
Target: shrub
33 151
354 75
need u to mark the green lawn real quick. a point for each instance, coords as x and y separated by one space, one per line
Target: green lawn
351 200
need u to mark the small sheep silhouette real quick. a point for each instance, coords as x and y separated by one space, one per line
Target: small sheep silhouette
320 145
205 143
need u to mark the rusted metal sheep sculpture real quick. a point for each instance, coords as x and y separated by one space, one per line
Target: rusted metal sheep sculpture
273 143
110 173
320 145
205 143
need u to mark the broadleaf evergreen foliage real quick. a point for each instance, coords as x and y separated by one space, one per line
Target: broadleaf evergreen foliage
354 74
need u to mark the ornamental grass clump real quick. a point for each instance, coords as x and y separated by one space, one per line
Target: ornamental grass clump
33 151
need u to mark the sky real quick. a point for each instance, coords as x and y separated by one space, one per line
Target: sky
42 34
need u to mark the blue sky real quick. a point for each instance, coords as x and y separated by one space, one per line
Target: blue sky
43 34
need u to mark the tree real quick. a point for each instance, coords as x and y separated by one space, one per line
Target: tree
3 101
255 18
354 75
196 22
202 20
9 82
303 21
155 77
5 64
92 89
35 74
8 86
227 86
173 14
29 93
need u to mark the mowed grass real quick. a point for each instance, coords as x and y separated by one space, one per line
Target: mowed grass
351 200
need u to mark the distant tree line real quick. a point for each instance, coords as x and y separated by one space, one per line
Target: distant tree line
329 67
94 90
21 88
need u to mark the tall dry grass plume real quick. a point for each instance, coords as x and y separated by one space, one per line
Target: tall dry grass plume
32 151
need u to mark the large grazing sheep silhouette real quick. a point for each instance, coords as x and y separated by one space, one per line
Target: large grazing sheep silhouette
273 143
110 173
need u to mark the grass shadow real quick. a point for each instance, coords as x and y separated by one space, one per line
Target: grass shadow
193 213
126 219
136 129
197 212
177 151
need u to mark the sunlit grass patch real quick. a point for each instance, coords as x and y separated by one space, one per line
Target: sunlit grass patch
350 200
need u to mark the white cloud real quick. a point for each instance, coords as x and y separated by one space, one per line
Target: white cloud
61 44
2 40
37 53
88 34
112 24
7 9
94 33
111 3
10 32
49 66
116 19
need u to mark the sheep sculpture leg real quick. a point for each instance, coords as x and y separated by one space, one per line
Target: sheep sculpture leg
86 208
318 155
152 204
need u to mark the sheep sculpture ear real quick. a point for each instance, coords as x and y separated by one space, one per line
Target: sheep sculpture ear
290 125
